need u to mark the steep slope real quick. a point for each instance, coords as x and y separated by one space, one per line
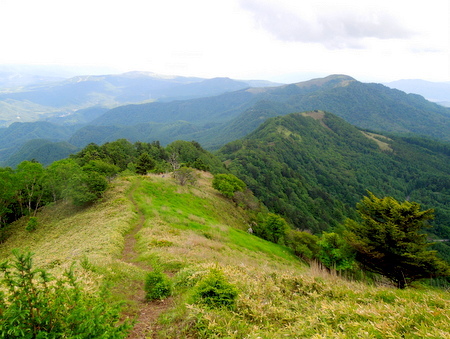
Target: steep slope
191 233
314 167
379 108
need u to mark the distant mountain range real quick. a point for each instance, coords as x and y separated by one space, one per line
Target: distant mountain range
210 111
25 98
371 106
434 91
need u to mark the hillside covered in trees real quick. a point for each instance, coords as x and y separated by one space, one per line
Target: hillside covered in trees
313 168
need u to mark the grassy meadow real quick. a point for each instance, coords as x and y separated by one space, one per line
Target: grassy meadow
187 232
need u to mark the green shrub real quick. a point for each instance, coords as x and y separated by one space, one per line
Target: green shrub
32 224
303 244
35 305
228 184
215 291
157 286
334 252
272 228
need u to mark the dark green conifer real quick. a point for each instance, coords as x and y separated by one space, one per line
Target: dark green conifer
389 240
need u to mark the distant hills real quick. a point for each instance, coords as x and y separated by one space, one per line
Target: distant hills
218 110
26 98
434 91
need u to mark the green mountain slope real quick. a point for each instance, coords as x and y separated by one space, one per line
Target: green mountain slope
62 97
202 110
379 108
314 167
191 234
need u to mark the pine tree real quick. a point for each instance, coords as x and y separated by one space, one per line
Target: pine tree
390 240
144 164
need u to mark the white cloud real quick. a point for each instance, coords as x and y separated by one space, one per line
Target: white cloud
334 27
235 38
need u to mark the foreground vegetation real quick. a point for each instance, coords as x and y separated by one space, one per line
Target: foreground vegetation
224 282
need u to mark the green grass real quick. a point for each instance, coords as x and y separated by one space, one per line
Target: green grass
191 230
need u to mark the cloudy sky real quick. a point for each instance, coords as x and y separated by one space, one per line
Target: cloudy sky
280 40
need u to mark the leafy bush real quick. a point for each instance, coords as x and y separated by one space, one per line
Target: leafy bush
215 291
334 252
35 305
157 286
87 188
272 228
228 184
303 244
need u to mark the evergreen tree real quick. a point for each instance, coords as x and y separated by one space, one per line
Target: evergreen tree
390 240
144 164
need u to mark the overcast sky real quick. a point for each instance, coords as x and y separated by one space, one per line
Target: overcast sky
281 40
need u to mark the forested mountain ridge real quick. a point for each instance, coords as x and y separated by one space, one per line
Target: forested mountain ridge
372 106
216 120
17 134
314 167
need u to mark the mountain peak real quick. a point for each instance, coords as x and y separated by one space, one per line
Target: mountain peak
334 79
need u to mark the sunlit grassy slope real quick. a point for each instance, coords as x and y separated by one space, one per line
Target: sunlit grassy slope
189 230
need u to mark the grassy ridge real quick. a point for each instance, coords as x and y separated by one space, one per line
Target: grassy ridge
189 230
192 224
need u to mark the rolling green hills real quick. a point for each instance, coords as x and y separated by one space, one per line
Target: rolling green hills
190 233
17 134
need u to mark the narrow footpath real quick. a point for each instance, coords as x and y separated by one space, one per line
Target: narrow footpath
146 326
